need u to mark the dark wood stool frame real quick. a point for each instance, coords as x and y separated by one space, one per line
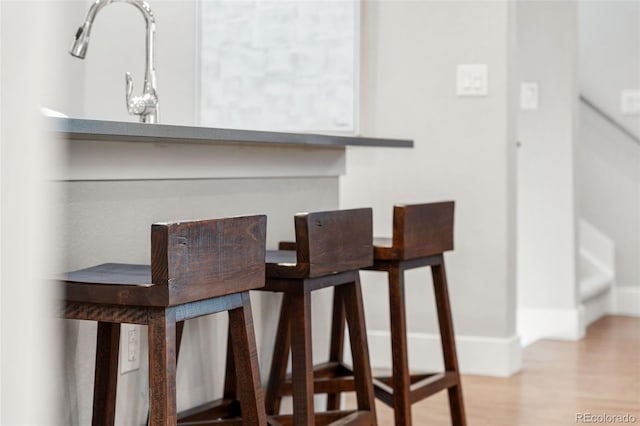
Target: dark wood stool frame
197 268
330 249
421 234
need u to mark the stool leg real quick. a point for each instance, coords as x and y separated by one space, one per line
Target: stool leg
301 359
162 367
280 359
354 310
106 374
336 350
179 328
230 377
400 380
448 342
245 357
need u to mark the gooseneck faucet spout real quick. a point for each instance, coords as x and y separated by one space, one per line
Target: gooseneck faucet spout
146 106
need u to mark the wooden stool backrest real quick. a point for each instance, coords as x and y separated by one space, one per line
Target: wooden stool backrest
421 230
208 258
334 241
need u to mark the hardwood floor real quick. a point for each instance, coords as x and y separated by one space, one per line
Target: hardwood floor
599 374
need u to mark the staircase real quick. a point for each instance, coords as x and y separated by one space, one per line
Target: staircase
596 271
608 194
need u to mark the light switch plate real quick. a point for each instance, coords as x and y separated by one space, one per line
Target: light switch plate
472 80
529 95
630 102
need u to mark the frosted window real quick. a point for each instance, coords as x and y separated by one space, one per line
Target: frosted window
278 65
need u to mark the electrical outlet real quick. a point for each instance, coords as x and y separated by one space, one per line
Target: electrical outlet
472 80
129 348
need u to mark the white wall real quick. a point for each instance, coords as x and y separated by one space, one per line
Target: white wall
0 215
546 212
609 34
65 93
464 151
31 339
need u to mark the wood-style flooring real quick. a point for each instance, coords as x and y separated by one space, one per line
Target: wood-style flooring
599 374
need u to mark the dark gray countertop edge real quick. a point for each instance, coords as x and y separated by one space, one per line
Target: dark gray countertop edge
83 129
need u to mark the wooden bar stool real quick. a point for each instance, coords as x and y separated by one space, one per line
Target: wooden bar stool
330 249
421 235
197 268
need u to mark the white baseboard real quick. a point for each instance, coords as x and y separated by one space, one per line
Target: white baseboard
487 356
597 306
626 301
547 323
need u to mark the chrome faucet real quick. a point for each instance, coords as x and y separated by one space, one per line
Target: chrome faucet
146 106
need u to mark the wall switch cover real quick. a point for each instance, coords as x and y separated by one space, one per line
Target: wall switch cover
129 348
630 102
472 80
529 95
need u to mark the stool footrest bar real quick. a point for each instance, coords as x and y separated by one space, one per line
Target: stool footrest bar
328 418
422 386
218 409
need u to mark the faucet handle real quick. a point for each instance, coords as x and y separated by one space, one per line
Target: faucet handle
135 104
129 85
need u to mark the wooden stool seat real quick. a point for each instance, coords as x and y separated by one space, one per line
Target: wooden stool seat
120 274
330 249
421 235
197 268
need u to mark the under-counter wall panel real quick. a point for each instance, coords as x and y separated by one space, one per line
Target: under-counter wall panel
100 160
111 220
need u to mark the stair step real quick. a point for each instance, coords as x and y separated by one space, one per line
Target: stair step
594 285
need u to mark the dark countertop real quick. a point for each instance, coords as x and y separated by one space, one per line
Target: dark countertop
97 130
